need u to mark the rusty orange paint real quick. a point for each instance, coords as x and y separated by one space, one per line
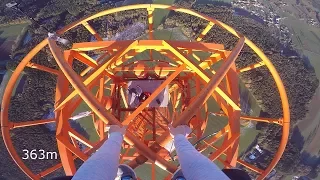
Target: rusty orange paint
259 119
43 68
250 67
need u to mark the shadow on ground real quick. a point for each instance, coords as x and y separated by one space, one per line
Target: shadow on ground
306 158
4 54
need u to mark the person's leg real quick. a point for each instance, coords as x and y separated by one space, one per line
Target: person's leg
178 175
104 163
125 172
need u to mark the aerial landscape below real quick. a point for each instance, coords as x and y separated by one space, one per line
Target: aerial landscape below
173 72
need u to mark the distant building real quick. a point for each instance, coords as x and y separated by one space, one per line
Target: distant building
300 178
257 147
252 157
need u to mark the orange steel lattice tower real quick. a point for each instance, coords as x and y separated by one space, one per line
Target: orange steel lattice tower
147 132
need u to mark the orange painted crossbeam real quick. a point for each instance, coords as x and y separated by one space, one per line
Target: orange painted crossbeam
260 119
71 148
251 167
149 44
123 155
128 157
250 67
30 123
50 170
84 59
66 149
109 45
43 68
215 138
247 165
92 31
74 142
205 31
224 147
99 60
80 138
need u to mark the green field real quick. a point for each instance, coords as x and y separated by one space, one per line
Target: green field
11 30
87 122
160 14
307 41
8 35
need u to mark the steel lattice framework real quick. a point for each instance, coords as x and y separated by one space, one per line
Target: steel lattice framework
112 108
